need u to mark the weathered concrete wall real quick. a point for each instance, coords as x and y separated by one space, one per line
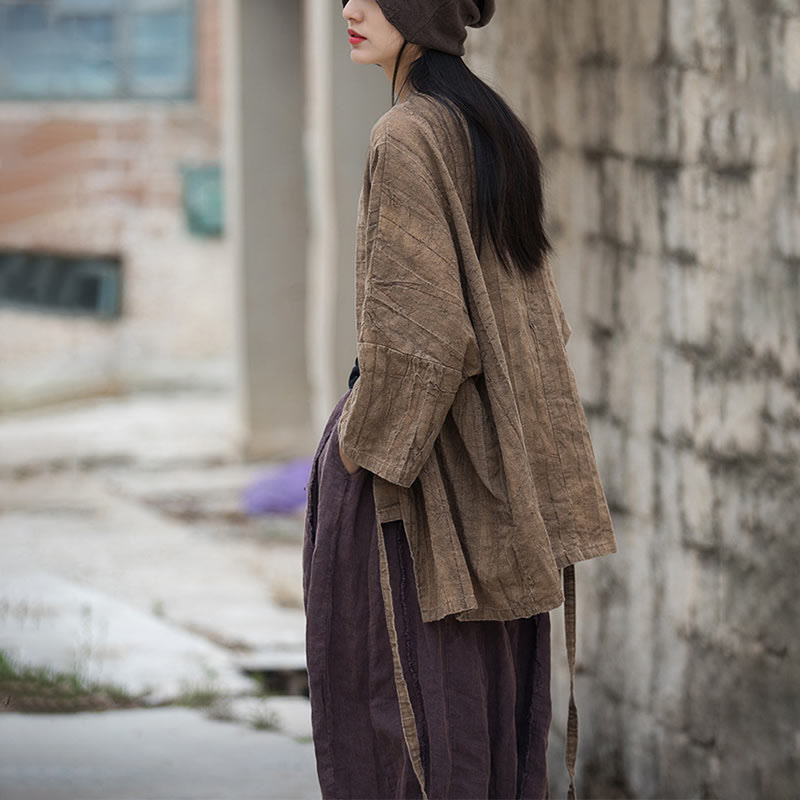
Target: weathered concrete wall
104 178
670 130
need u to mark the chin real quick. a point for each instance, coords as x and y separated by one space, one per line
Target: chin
359 58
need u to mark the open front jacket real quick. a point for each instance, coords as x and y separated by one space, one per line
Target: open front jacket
466 408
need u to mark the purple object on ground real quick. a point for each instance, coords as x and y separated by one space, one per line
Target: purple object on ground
281 490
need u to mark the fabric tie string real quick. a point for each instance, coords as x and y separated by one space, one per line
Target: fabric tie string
572 715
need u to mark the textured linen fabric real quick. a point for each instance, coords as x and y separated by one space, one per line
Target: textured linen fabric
479 692
438 24
466 408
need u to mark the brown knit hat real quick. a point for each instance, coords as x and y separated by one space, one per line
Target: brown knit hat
437 24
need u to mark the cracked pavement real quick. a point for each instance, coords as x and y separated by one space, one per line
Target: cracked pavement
127 558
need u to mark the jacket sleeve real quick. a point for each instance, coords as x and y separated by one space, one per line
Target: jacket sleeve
415 340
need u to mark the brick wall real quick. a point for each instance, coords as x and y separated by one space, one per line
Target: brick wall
104 178
670 131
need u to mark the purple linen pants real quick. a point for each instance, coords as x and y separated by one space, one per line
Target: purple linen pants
480 691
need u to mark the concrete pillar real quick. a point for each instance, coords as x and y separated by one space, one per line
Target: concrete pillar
343 102
297 123
267 221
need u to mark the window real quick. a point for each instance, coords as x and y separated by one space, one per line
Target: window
203 199
83 284
96 49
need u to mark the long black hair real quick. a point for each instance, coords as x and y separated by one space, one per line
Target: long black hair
510 201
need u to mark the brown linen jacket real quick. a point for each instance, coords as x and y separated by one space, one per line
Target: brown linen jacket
466 408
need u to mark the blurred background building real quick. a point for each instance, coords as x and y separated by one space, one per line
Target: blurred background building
178 188
114 275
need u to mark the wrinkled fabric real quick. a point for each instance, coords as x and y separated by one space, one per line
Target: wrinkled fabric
355 716
466 408
479 691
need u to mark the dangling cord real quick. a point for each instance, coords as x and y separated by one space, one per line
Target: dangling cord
572 716
394 76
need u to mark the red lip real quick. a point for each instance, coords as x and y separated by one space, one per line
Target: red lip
354 35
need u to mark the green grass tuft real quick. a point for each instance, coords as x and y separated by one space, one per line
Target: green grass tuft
40 690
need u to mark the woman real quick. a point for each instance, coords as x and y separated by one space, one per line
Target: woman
455 484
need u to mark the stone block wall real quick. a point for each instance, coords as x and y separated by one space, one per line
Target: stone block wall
670 133
105 178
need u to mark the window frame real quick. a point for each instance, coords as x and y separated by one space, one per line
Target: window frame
183 87
53 282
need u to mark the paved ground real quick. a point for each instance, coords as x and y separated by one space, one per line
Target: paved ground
153 754
126 558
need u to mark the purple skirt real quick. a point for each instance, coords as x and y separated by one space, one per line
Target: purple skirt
480 691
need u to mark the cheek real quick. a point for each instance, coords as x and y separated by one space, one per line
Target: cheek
393 43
